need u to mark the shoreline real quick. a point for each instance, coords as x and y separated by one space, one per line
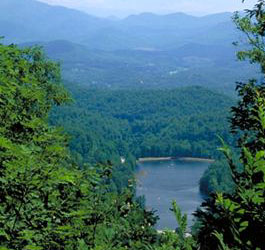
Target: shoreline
196 159
189 159
145 159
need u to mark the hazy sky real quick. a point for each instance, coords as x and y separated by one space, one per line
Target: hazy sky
125 7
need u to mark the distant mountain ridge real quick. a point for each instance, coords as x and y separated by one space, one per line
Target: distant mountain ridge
178 18
30 20
40 21
140 51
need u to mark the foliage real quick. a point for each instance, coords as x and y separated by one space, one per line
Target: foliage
179 240
217 178
31 183
236 221
45 202
109 124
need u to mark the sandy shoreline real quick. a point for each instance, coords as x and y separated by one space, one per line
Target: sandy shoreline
156 159
191 159
196 159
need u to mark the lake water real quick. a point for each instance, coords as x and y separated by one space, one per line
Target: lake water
163 181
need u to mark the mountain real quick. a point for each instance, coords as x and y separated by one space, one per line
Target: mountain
154 21
211 66
30 20
163 32
27 20
140 51
175 20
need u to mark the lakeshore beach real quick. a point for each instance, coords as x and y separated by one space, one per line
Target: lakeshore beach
191 159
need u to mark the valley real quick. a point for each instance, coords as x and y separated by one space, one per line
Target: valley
139 51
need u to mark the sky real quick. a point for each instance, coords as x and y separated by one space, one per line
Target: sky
123 8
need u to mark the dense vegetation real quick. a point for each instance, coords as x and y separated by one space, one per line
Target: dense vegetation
47 203
110 124
179 122
236 220
217 178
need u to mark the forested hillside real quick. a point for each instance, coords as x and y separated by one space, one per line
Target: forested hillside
179 122
109 124
217 178
211 66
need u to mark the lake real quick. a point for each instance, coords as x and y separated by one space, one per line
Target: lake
163 181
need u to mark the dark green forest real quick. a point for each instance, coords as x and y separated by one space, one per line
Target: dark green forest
217 178
106 125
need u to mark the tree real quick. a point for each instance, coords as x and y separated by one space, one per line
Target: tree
45 201
34 188
237 221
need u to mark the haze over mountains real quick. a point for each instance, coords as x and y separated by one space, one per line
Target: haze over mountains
29 20
146 49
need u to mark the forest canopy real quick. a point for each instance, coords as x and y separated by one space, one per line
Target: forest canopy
106 125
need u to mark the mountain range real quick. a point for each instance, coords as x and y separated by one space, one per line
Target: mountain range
146 50
30 20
